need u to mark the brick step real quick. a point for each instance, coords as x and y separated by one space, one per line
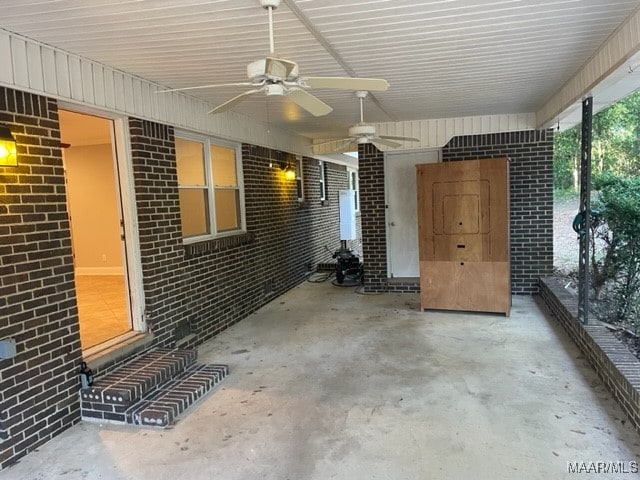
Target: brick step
111 395
151 390
163 406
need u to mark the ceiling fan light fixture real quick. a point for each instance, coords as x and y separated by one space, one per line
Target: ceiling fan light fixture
274 89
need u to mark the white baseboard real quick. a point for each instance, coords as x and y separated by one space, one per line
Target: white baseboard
99 271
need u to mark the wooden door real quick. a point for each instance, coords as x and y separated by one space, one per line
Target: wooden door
463 232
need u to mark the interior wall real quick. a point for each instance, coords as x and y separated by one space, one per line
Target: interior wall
93 206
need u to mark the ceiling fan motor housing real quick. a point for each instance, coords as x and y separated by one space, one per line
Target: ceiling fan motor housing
272 69
362 132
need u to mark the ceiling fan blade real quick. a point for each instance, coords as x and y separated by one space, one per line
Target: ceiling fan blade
198 87
311 104
388 143
335 140
348 83
348 145
234 101
404 139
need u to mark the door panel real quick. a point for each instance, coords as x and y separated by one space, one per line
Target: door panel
463 212
402 212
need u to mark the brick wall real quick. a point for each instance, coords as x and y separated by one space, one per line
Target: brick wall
531 176
38 387
213 284
285 240
161 249
530 156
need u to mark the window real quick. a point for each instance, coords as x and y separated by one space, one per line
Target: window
353 185
299 178
323 189
209 187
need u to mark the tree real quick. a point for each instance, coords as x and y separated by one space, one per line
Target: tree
615 146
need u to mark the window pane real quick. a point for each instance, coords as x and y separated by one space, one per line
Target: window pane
322 189
223 161
190 159
227 209
194 211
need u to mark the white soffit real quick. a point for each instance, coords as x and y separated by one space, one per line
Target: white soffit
442 58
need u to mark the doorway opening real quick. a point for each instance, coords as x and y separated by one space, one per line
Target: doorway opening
96 220
402 211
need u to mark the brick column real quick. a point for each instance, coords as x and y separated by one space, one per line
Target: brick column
372 216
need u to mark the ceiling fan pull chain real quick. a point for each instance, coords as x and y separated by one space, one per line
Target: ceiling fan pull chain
266 106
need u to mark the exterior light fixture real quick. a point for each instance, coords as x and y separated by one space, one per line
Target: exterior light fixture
8 156
289 172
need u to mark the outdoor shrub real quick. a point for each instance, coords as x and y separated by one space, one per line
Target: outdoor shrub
617 229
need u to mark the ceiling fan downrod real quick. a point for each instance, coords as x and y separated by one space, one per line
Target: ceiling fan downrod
361 94
270 5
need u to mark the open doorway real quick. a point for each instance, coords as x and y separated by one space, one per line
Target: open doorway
98 243
402 211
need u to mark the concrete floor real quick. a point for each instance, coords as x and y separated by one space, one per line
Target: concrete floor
326 383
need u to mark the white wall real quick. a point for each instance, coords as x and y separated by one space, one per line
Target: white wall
93 206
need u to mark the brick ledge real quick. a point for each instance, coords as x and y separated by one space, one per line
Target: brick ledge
618 368
218 244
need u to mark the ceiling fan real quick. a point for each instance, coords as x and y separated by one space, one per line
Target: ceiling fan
365 133
280 77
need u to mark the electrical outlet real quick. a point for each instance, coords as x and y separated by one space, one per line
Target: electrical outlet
7 348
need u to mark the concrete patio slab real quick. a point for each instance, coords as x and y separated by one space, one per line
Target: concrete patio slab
326 383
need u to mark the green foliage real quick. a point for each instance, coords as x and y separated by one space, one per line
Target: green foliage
615 171
566 159
618 229
615 146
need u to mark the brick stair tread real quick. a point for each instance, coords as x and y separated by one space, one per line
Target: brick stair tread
128 384
163 406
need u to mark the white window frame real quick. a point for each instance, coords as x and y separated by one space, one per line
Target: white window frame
299 179
354 184
322 181
208 141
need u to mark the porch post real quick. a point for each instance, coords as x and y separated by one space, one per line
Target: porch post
585 209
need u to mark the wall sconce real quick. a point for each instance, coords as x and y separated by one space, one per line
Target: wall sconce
285 165
289 171
8 156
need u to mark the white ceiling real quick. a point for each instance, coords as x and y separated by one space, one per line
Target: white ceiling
442 58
